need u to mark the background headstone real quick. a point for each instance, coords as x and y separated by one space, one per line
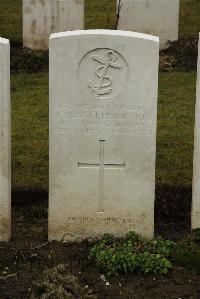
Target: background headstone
103 111
156 17
43 17
196 160
5 146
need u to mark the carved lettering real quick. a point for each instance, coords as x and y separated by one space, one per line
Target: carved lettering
99 220
109 119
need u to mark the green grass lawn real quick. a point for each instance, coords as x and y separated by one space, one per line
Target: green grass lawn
30 105
30 132
11 20
176 104
189 24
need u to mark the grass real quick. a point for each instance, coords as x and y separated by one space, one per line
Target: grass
189 24
11 20
100 14
30 105
175 128
30 132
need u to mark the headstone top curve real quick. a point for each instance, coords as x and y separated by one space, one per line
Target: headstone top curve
105 32
4 41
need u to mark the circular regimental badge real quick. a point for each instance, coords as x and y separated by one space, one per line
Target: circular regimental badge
103 73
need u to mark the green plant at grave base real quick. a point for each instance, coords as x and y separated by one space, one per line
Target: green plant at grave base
187 253
132 254
196 235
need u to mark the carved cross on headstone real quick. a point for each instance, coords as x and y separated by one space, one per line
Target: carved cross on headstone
101 165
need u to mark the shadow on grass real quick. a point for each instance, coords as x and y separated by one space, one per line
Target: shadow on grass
26 198
24 60
173 211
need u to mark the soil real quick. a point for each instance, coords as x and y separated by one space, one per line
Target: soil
24 259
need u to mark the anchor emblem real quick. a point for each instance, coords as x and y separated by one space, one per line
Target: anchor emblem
109 60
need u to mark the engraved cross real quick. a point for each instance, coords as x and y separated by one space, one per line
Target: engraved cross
101 165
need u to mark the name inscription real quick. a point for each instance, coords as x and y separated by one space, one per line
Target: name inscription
102 118
100 220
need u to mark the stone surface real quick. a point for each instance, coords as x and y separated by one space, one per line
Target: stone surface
156 17
103 111
196 160
5 147
43 17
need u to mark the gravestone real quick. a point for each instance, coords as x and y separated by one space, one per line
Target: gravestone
5 147
156 17
196 159
43 17
103 103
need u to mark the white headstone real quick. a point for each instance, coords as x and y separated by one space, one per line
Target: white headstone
103 111
156 17
43 17
196 160
5 146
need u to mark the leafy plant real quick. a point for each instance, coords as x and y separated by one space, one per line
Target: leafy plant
187 252
196 235
132 254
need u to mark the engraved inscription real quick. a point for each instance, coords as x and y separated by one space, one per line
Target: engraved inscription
108 222
107 119
103 73
101 165
101 220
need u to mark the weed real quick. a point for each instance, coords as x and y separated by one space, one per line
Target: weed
57 284
132 254
187 252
